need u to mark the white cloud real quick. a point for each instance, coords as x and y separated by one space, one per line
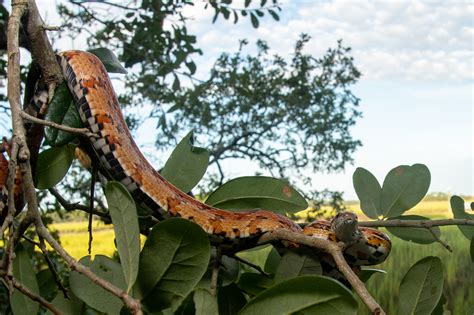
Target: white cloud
419 40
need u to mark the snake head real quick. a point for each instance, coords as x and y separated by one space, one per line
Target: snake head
345 226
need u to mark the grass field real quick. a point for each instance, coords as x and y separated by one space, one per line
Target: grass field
458 268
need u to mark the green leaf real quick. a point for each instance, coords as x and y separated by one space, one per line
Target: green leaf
257 256
403 188
368 191
366 274
295 264
247 2
204 302
417 235
254 20
176 84
262 192
46 283
274 15
108 58
24 273
127 233
421 287
173 260
191 67
62 110
186 165
52 166
254 283
94 295
303 295
457 207
273 261
230 299
71 306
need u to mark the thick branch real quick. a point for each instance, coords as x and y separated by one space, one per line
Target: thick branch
335 251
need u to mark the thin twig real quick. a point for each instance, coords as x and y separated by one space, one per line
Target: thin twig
81 131
436 237
335 251
20 287
51 28
76 206
416 223
260 270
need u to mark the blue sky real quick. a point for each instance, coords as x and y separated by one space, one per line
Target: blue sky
416 90
417 85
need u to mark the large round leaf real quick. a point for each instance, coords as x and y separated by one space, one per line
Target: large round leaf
421 288
403 188
368 191
24 273
52 166
417 235
173 260
304 295
459 212
262 192
94 295
127 234
186 165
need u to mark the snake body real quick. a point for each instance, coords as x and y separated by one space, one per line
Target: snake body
120 159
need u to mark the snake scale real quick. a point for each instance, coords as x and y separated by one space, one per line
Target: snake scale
121 160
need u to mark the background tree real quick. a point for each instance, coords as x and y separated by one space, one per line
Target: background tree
298 122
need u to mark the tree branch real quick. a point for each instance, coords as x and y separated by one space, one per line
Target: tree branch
20 287
335 250
81 131
416 223
76 206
